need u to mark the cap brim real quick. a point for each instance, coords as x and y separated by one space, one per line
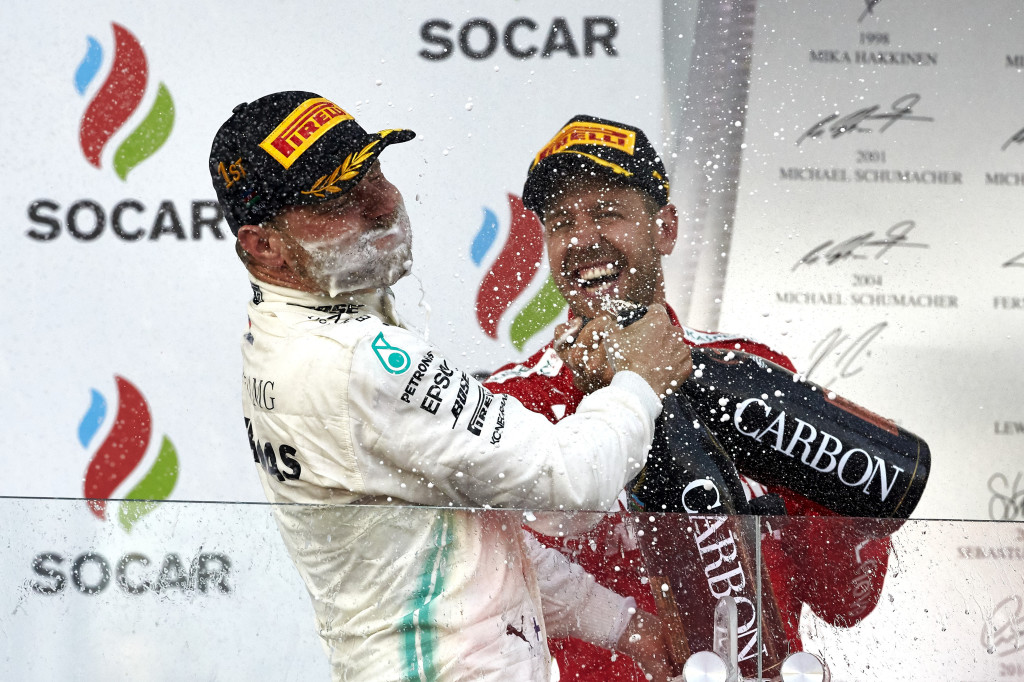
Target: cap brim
352 168
546 178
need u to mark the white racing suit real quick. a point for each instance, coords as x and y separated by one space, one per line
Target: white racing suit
356 420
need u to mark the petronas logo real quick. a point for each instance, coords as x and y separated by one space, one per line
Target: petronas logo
394 360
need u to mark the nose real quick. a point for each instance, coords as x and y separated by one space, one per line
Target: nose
378 197
586 231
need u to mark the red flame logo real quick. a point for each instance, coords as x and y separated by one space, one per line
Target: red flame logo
122 450
118 97
514 269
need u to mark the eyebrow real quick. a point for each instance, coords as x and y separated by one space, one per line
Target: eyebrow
599 204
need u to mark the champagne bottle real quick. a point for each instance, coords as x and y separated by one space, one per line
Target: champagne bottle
783 430
706 550
693 561
687 469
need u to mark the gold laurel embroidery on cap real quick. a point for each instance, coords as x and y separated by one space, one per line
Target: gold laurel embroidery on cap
348 169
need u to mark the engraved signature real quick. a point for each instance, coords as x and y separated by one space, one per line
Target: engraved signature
1016 138
1006 504
1004 630
869 8
1015 262
902 109
829 252
846 353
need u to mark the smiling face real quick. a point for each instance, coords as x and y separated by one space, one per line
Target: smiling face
605 241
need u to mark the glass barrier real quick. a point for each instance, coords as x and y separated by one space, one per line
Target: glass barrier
176 590
948 597
188 591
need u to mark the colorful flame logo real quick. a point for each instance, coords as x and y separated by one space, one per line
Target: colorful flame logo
515 268
120 453
117 99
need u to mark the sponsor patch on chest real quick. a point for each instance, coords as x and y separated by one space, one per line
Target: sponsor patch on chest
549 365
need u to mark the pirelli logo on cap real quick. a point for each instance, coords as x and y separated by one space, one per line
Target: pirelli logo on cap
301 128
588 133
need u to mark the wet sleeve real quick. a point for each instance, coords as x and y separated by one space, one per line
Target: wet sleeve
414 409
837 564
574 604
838 571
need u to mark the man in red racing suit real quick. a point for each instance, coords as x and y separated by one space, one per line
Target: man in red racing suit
833 567
602 194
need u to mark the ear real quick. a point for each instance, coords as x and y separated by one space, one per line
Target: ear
264 245
668 229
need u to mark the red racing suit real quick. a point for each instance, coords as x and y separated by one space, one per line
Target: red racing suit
834 568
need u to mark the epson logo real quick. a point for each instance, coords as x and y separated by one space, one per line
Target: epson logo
522 38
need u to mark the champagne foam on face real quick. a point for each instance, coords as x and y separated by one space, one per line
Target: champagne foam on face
339 265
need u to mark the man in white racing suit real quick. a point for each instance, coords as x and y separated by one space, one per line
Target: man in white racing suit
353 419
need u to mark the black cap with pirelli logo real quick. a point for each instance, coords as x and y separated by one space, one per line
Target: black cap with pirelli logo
588 145
289 149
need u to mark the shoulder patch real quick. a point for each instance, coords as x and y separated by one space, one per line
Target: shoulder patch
393 359
549 365
699 338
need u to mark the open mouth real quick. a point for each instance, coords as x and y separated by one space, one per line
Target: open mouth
598 278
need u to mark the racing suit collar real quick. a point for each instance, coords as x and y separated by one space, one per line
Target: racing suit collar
380 301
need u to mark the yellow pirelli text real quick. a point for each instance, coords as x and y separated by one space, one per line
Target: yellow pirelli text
301 128
588 133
